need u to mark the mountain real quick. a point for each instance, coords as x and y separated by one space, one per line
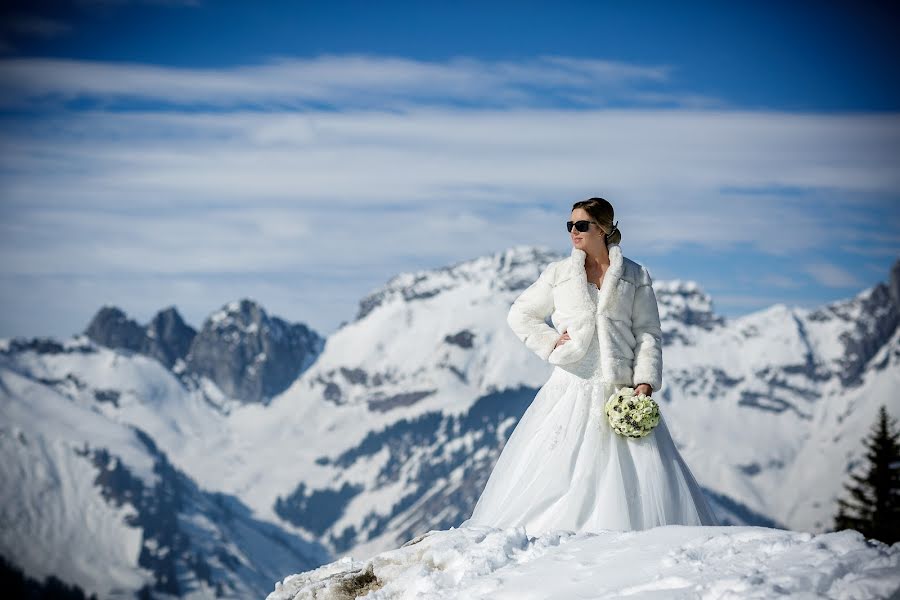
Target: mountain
93 500
248 355
439 382
166 338
81 471
672 561
429 366
391 426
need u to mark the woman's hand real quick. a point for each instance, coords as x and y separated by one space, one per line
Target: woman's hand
562 339
643 388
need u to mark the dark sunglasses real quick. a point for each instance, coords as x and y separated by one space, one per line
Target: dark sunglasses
581 226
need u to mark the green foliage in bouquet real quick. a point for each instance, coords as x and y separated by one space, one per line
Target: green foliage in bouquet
630 415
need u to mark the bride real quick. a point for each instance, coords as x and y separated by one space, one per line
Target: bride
564 467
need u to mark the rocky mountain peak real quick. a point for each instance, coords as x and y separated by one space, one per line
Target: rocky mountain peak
112 328
166 338
250 355
686 303
894 284
169 336
865 323
511 269
244 314
519 266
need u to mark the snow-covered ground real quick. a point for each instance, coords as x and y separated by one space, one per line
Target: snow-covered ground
670 562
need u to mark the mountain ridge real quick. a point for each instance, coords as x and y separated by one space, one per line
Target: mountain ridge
395 421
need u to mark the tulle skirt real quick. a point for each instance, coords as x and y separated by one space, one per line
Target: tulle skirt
563 467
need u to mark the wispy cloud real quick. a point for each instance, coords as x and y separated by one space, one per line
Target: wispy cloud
344 81
833 276
364 166
665 168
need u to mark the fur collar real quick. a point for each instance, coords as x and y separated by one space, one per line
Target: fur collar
608 287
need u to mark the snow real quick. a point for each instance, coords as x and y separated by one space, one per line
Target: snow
52 507
49 492
669 562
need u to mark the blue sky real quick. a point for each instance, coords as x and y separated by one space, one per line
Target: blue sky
192 153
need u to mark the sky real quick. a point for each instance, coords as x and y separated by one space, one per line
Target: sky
300 154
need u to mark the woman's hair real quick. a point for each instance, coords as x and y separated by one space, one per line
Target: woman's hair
602 212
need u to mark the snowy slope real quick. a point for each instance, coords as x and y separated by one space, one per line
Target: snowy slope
671 562
773 394
95 502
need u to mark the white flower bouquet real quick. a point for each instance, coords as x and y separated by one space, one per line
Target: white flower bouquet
630 415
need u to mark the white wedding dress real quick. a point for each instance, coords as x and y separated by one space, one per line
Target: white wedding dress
563 467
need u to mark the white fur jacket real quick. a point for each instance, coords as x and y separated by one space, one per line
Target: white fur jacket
625 318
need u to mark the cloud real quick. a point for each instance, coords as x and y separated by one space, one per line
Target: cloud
321 178
344 81
663 169
833 276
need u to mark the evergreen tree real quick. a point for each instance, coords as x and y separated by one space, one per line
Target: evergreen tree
874 505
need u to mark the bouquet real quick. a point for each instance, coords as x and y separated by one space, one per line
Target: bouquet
630 415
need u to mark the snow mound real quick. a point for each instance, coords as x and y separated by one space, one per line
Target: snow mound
672 561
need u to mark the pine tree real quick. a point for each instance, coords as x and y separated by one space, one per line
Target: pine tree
874 505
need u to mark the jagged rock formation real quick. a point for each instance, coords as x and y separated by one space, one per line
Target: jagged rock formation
686 309
166 338
250 355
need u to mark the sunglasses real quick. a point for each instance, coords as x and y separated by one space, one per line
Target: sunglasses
581 226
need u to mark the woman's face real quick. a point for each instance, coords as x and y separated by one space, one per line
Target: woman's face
590 239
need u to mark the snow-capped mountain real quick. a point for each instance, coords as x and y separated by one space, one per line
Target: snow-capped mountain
430 366
95 501
390 427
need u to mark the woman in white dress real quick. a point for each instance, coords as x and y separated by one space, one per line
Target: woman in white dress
563 467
